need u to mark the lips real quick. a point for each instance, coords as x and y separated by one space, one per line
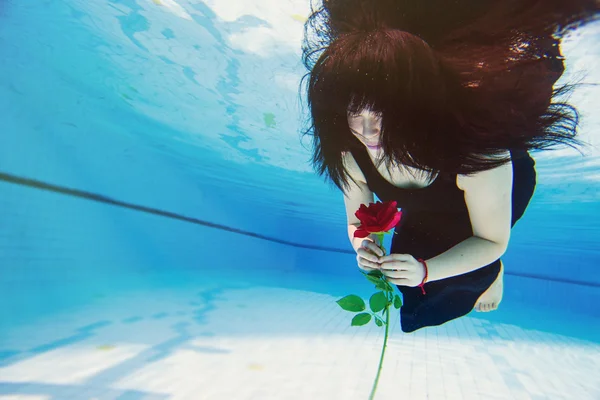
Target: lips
373 147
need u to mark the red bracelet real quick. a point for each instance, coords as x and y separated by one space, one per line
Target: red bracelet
426 275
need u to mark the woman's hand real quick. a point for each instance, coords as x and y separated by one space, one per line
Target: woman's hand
367 255
402 269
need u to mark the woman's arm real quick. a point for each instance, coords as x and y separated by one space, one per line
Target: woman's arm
488 196
358 193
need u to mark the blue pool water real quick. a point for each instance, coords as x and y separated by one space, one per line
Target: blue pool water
162 234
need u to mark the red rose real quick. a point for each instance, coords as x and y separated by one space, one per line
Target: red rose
377 218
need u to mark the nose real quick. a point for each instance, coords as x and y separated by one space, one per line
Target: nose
370 127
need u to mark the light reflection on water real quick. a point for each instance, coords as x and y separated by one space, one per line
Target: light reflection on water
192 107
213 88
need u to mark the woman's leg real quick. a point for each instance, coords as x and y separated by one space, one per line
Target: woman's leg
491 298
524 182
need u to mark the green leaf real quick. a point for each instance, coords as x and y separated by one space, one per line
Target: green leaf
352 303
381 285
373 279
361 319
378 301
376 273
397 301
390 287
381 320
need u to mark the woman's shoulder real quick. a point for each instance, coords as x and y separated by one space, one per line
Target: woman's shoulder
501 175
352 167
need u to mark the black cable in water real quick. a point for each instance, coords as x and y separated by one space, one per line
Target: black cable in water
106 200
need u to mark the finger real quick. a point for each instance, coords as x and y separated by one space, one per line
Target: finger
367 263
396 257
399 281
394 265
365 243
366 269
398 274
367 255
373 247
390 274
366 266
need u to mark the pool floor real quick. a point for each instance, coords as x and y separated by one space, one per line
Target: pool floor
242 341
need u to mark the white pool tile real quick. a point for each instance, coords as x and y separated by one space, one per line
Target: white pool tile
247 346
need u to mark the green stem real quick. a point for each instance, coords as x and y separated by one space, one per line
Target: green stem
387 324
380 238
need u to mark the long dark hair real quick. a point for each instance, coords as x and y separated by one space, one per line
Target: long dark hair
456 82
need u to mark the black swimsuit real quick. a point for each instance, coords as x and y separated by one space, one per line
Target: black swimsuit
434 219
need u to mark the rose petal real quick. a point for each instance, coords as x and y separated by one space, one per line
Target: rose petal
366 216
378 217
392 224
371 228
387 215
362 213
361 233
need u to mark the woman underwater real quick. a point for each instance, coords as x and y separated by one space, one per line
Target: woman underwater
436 105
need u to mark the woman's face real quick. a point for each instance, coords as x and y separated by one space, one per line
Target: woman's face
366 126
